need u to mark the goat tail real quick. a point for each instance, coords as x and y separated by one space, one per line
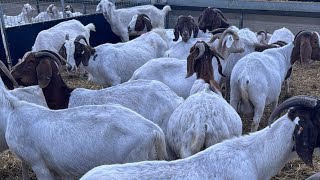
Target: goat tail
160 145
166 9
91 27
243 84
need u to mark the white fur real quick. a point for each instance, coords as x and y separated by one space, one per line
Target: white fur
259 155
31 94
53 38
256 80
119 18
113 64
203 120
23 18
67 143
282 34
170 71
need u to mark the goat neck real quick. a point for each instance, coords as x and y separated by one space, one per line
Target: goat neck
57 93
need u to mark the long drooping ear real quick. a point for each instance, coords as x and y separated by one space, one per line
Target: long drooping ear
195 30
83 53
44 73
215 22
87 54
63 51
176 31
147 22
302 47
194 52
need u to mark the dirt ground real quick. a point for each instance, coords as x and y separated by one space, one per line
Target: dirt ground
304 82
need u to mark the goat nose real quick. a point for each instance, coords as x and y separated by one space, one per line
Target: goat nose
129 29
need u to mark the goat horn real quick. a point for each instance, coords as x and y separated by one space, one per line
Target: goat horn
264 32
53 55
201 48
280 43
302 101
79 37
218 30
6 71
214 37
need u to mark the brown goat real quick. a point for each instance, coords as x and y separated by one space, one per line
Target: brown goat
43 68
199 61
184 27
212 18
142 21
306 47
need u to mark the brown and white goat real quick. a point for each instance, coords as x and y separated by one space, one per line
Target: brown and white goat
211 19
42 68
199 61
140 23
184 27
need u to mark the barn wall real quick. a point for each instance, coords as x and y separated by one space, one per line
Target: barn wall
21 38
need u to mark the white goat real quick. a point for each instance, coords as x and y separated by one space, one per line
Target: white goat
53 38
119 18
256 78
282 34
170 71
84 138
23 18
259 155
31 94
112 64
263 37
203 120
51 13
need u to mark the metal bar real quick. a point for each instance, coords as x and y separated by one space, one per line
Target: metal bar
63 9
241 21
4 38
38 7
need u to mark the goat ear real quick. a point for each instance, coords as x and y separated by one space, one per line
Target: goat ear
195 30
305 50
215 22
44 73
147 23
176 32
191 60
63 52
228 40
88 51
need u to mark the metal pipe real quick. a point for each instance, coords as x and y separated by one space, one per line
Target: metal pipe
38 7
4 38
63 9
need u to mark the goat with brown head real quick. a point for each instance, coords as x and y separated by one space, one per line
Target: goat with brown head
306 47
199 61
212 18
69 8
139 22
306 133
184 27
42 68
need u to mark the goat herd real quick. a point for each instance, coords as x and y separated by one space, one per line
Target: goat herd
165 101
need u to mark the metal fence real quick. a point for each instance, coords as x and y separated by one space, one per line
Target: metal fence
20 12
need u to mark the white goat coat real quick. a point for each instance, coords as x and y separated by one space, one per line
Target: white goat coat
53 38
151 99
259 155
113 64
170 71
256 79
203 120
31 94
282 34
119 19
67 143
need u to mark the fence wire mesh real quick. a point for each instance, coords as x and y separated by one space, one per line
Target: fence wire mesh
20 12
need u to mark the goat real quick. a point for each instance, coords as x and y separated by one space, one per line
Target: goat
112 64
53 38
51 13
119 19
140 23
70 12
141 96
263 36
23 18
38 136
282 34
259 155
202 120
171 71
184 27
211 19
256 78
